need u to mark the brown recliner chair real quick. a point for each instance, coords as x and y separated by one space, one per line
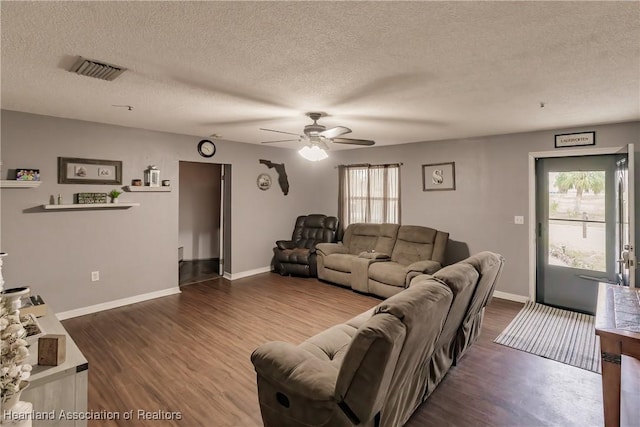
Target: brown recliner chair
298 255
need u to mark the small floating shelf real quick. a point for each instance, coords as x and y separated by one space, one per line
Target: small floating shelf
122 205
7 183
140 188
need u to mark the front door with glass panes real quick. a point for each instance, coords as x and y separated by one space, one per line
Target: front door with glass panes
576 213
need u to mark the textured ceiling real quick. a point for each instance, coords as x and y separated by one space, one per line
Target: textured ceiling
396 72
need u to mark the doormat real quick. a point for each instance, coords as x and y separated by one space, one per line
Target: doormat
561 335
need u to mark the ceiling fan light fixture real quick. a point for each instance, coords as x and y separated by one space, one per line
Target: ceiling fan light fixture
313 153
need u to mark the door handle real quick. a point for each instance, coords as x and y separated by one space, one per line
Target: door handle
625 259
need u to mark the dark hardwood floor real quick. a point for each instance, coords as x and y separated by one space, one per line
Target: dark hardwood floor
190 353
198 271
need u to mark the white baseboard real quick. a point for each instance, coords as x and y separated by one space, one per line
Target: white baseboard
242 274
510 297
115 304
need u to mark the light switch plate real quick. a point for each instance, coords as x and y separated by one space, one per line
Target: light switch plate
518 219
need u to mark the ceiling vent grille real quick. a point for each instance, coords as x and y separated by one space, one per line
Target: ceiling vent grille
96 69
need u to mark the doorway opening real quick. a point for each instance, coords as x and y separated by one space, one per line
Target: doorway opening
201 221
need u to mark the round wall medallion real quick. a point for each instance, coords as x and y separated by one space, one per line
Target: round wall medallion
264 181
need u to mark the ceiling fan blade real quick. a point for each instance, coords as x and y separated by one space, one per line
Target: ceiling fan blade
281 140
336 131
280 131
252 121
353 141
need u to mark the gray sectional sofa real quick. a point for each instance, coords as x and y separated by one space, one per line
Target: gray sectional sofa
381 259
377 368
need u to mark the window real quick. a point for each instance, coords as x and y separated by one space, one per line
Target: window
369 193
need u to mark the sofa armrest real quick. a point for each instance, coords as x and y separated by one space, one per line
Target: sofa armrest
331 248
421 268
285 244
295 370
379 256
424 267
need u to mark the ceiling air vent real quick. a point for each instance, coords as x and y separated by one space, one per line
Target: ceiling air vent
96 69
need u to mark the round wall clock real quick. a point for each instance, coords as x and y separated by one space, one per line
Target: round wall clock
206 148
264 181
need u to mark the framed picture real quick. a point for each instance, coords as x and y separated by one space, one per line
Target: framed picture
439 176
575 139
89 171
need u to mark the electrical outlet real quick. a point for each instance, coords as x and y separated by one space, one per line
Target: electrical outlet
518 219
95 276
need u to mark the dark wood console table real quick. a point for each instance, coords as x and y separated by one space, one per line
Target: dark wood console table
618 326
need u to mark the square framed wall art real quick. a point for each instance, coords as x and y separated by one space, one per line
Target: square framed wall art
439 176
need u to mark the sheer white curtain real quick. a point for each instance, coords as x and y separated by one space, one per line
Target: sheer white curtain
369 193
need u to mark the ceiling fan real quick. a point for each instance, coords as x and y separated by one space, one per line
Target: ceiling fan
318 135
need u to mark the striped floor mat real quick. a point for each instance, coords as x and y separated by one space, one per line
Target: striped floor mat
556 334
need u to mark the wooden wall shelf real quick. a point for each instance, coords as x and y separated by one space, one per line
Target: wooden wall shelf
123 205
141 188
8 183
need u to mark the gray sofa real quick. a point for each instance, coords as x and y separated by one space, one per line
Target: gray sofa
377 368
381 259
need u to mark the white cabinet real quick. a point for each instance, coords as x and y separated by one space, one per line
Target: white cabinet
63 388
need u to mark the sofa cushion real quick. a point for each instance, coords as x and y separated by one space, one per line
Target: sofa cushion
414 243
457 276
339 262
387 238
389 273
362 237
331 344
359 320
312 229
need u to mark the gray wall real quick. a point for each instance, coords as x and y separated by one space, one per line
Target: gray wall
491 187
135 250
199 210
